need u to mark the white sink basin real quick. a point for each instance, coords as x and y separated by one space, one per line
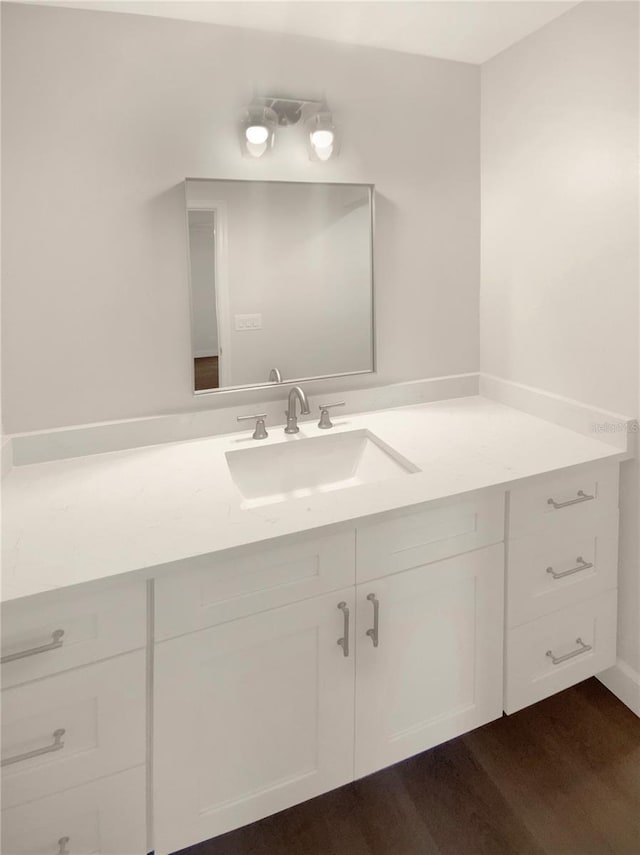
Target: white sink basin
306 466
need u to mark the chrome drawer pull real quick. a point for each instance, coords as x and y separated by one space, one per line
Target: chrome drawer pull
584 648
344 641
56 745
54 644
582 565
373 632
582 497
62 846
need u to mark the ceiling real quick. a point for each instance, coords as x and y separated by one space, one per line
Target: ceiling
464 30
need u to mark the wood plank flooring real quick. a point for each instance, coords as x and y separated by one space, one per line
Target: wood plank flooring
561 777
206 372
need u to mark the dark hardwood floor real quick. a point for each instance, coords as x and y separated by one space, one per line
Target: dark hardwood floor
206 372
561 777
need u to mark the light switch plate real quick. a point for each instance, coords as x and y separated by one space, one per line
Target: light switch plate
248 322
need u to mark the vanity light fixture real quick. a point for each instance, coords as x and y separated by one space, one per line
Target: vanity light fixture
266 115
258 130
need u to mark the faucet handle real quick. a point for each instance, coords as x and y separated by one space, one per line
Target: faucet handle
260 432
325 422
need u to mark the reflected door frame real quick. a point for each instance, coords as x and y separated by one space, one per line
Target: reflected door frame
221 286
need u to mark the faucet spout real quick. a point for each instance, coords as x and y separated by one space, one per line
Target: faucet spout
296 393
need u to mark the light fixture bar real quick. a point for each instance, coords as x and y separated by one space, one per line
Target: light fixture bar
288 110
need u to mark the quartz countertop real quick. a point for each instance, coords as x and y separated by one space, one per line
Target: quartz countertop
66 522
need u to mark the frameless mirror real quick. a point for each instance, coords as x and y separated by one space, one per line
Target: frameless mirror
281 281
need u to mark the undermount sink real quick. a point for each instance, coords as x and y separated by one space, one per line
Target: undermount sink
307 466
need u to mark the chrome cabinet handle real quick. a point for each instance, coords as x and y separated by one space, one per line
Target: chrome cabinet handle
344 641
373 632
275 376
583 648
62 846
54 644
581 565
56 745
582 497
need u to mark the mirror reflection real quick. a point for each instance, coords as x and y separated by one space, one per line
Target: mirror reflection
281 281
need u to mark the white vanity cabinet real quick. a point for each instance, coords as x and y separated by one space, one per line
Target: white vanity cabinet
261 712
562 571
141 716
74 715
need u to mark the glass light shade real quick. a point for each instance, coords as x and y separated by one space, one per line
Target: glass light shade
322 139
258 131
323 154
256 149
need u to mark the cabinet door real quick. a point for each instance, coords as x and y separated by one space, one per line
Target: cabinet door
436 671
251 717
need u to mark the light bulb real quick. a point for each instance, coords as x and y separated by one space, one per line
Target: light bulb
257 134
322 139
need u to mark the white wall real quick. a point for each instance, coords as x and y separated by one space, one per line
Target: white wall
559 292
104 115
560 208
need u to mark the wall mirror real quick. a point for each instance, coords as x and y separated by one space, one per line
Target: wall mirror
281 280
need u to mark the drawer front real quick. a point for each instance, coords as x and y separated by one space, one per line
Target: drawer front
106 817
72 728
586 495
556 651
560 567
219 590
403 541
52 632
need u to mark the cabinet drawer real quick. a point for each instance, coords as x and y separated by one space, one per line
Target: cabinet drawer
90 623
550 654
72 728
106 817
559 567
214 590
590 493
405 540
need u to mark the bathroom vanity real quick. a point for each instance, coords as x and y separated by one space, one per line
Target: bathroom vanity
182 656
213 609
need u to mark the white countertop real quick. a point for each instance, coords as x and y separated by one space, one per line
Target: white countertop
77 520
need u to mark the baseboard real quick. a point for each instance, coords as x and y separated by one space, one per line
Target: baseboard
602 425
624 682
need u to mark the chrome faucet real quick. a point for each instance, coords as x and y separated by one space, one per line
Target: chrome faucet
290 413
